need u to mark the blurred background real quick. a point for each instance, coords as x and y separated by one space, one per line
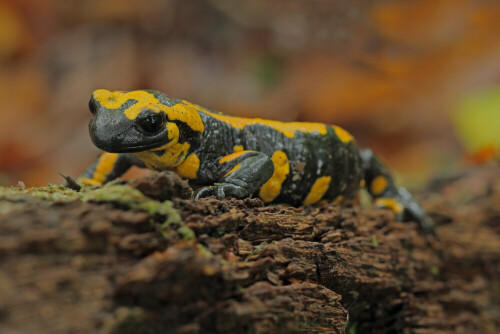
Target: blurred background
416 80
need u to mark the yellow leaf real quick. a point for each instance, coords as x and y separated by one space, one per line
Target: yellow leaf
477 120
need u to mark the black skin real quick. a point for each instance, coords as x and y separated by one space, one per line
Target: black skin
310 154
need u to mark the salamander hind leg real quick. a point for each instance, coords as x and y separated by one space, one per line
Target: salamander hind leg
381 186
241 174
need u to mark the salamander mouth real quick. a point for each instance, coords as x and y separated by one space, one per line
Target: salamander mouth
120 147
152 147
137 148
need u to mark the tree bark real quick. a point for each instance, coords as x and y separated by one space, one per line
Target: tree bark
125 259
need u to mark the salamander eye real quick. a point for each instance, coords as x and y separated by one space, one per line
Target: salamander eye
92 106
150 121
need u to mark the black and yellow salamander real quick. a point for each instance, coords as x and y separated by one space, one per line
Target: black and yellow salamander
226 156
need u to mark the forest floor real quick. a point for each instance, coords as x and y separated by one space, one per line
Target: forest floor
140 256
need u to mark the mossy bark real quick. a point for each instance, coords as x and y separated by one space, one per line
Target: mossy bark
141 257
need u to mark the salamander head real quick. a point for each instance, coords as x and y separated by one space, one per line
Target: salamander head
133 121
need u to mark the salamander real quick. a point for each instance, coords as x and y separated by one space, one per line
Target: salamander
226 156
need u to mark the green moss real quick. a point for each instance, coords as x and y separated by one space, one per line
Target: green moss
257 249
373 240
133 198
52 192
221 230
203 250
120 194
435 270
352 329
186 232
130 197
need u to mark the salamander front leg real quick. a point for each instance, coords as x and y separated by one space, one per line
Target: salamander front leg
242 174
108 167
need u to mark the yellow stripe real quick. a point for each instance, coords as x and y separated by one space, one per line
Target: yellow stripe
88 181
189 168
174 156
234 169
186 114
146 100
318 189
286 128
232 156
175 153
272 188
104 166
343 135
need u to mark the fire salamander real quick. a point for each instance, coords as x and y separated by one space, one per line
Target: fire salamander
226 156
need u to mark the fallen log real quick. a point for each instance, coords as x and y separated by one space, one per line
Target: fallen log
140 256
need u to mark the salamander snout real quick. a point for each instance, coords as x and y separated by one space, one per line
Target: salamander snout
112 131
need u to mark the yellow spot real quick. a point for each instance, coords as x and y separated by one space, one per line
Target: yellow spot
318 189
286 128
186 114
234 169
238 148
232 156
189 167
173 157
114 100
175 153
173 132
389 203
104 166
362 183
378 185
339 199
88 181
272 188
146 100
343 135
